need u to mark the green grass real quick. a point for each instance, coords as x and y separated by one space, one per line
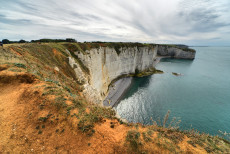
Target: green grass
43 119
60 103
176 46
40 132
74 47
133 139
87 122
20 65
147 136
97 114
82 47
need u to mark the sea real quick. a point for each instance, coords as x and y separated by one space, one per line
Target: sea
199 97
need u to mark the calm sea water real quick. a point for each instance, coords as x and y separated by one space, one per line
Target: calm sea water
200 97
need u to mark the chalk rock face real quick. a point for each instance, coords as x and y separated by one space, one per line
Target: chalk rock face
90 92
175 52
77 69
105 64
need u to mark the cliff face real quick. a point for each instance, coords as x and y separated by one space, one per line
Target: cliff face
105 65
175 52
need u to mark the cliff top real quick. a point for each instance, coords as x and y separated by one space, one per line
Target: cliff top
83 46
43 110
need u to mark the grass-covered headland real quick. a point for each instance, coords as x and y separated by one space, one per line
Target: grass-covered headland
43 110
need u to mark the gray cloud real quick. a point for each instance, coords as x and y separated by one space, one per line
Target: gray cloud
159 21
16 22
203 19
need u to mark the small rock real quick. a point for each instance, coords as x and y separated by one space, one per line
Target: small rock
177 74
56 68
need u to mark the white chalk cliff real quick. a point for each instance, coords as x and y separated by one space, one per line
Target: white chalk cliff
175 52
105 65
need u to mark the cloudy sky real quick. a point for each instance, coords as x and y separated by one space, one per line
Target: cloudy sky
192 22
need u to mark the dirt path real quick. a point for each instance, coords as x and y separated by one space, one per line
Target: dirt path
11 113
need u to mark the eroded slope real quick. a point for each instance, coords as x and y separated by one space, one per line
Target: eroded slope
43 109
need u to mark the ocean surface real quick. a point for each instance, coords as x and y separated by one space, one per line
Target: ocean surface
200 98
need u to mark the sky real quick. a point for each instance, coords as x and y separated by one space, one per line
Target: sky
191 22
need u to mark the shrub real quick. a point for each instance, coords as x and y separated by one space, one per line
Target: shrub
43 119
5 41
60 103
20 65
70 40
22 41
86 123
147 136
88 120
133 137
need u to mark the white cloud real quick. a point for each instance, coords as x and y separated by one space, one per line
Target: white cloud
158 21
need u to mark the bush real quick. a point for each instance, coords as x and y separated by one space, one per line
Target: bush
20 65
133 137
70 40
86 123
22 41
5 41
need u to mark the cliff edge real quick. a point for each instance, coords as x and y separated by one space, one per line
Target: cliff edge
44 108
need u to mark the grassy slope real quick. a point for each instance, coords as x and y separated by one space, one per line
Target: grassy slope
43 110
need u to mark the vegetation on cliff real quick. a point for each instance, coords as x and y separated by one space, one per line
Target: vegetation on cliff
147 72
182 47
82 47
43 110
